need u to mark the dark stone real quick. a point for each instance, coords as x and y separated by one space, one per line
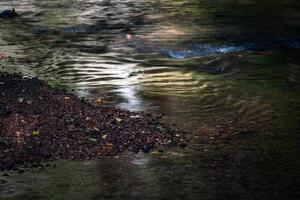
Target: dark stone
7 14
160 150
3 144
182 145
20 170
145 149
173 143
135 149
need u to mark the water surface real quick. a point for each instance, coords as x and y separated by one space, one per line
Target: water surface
227 72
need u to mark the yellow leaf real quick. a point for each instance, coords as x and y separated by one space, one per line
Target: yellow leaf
36 133
109 147
99 100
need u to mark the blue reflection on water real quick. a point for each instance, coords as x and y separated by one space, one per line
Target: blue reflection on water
202 50
205 49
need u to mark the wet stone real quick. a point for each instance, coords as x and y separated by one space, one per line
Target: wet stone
182 145
145 149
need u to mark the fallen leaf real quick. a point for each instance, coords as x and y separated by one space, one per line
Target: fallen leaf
99 100
104 136
36 133
93 139
119 119
20 99
135 116
2 56
67 98
95 128
109 147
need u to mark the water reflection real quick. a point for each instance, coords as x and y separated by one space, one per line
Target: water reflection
225 71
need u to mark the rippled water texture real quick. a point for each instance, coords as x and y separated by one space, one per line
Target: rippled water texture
226 71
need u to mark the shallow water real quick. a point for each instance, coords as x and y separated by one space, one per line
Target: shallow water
227 72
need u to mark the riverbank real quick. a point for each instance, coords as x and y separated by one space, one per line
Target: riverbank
40 123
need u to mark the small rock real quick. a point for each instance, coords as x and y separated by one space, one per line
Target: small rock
20 170
135 149
135 116
119 119
128 36
20 99
7 14
172 143
160 150
182 145
145 149
93 139
160 128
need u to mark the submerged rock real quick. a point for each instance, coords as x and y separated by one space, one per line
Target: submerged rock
6 14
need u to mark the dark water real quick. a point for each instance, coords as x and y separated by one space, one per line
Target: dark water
225 71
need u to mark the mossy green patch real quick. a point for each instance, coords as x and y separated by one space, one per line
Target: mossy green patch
264 59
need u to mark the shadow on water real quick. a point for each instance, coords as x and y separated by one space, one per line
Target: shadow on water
227 72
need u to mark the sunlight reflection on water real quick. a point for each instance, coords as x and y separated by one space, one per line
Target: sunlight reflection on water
212 68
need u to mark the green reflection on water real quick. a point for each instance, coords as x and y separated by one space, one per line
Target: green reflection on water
258 89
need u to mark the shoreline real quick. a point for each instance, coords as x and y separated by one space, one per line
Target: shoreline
40 123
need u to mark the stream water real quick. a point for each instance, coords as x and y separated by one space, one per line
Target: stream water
225 71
